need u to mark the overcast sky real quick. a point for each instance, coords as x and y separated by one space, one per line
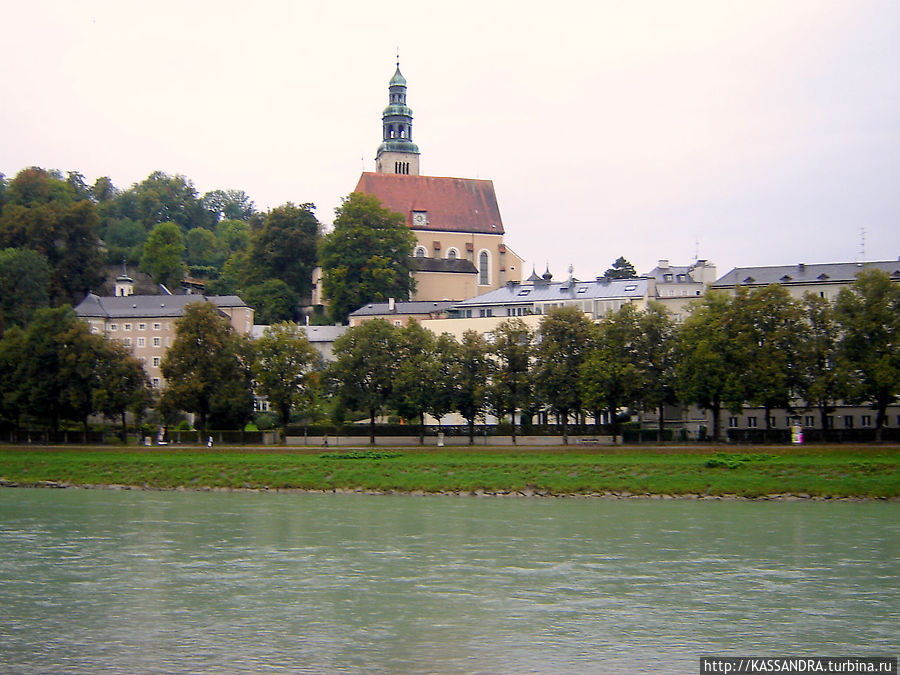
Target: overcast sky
744 133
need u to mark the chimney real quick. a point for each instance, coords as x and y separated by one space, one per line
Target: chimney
392 306
663 264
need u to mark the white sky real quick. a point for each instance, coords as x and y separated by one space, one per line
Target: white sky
747 133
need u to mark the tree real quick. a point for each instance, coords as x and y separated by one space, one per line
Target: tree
203 367
417 382
202 248
710 368
286 248
367 257
273 300
80 354
163 253
232 235
228 205
470 371
819 384
42 214
24 283
868 313
283 368
162 198
122 385
511 389
771 329
621 269
365 367
124 238
655 352
565 337
610 376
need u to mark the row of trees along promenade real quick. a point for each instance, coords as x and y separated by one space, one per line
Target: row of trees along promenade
759 348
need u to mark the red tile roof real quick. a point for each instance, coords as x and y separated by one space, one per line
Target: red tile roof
452 204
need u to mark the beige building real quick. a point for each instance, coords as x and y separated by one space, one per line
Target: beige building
146 323
678 285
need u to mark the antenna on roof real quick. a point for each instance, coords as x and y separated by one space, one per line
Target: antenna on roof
696 249
862 244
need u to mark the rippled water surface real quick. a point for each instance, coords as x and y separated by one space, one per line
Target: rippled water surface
101 581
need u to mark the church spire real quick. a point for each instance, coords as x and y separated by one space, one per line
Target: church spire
397 153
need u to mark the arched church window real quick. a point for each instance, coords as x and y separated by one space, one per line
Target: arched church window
483 271
451 254
420 251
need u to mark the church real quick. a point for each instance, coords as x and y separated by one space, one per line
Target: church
460 252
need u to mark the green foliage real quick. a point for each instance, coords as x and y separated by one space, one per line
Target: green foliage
273 300
366 258
285 248
566 338
232 235
868 313
611 376
284 368
511 387
365 367
224 205
360 454
205 368
621 269
43 214
819 385
124 238
470 372
163 254
202 248
24 283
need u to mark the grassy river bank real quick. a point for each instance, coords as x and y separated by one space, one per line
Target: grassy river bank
841 471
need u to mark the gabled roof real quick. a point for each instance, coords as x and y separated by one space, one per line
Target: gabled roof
556 291
137 306
803 273
450 204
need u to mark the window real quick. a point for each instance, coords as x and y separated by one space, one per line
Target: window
848 421
809 421
156 383
127 326
156 326
772 423
156 362
630 287
127 341
157 341
485 312
866 421
732 422
525 291
583 289
484 272
830 421
142 326
142 342
420 251
452 254
114 326
751 422
667 277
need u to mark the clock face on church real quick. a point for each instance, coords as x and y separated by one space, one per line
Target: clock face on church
419 218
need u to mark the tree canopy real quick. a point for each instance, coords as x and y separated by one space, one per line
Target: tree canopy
366 258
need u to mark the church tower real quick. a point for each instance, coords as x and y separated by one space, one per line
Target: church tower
397 154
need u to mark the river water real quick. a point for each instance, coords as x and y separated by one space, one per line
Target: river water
95 581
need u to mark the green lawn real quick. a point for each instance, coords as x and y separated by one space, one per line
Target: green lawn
752 471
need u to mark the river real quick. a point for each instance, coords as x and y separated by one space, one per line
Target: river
101 581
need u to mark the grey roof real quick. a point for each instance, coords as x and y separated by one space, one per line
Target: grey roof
457 266
401 308
598 289
136 306
659 273
313 333
802 273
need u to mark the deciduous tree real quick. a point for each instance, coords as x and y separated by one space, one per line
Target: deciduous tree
284 365
511 384
869 350
24 283
203 367
471 373
565 339
163 255
366 258
365 368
